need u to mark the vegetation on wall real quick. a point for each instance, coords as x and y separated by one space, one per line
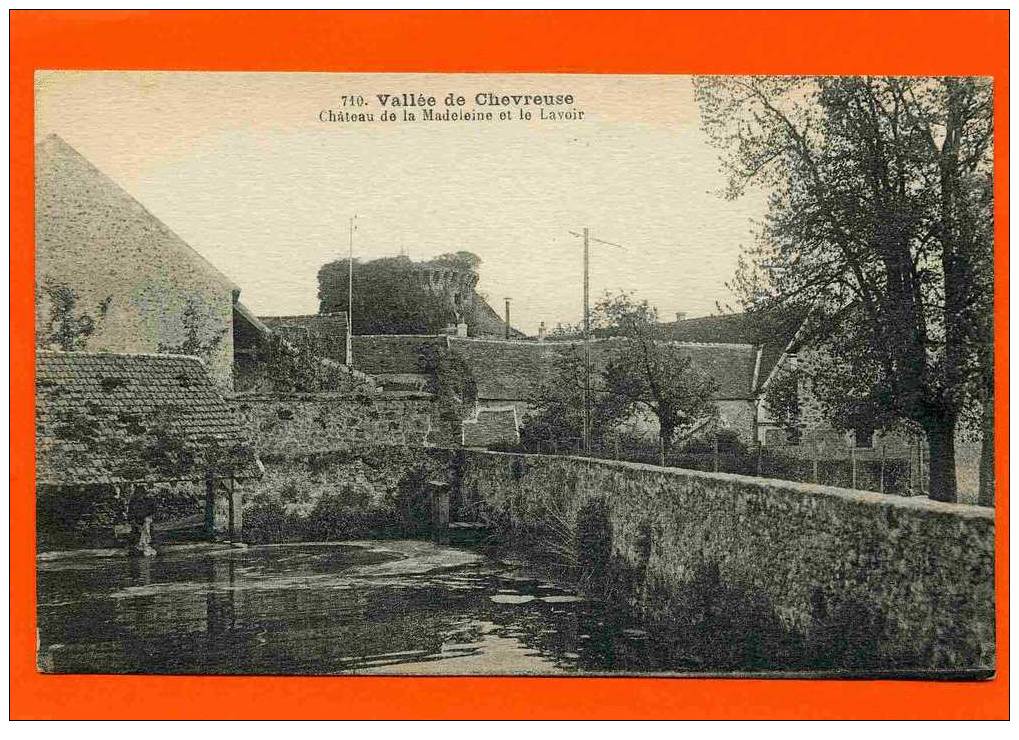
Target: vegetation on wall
202 334
287 365
451 380
392 297
60 324
370 490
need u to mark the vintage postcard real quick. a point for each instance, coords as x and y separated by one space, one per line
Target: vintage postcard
515 374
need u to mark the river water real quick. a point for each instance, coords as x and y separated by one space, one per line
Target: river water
403 607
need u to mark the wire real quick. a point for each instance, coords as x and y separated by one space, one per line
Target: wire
601 241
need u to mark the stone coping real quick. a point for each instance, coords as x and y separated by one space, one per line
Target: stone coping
331 396
918 503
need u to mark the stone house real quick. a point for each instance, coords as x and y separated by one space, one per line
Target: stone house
104 261
505 372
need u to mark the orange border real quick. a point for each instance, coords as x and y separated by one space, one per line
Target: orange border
838 42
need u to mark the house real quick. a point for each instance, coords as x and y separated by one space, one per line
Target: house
109 426
112 277
505 373
773 334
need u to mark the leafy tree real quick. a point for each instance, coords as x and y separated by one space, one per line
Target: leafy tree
645 373
63 327
557 401
461 260
879 222
451 380
389 297
783 400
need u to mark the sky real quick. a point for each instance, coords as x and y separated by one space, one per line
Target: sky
242 168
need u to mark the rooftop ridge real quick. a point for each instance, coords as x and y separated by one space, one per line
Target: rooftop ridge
601 340
402 336
147 355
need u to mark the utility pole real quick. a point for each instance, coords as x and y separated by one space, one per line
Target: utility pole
507 329
586 234
587 341
350 296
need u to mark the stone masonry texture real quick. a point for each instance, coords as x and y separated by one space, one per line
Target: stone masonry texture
923 570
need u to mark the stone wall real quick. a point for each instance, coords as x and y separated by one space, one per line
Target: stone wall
299 424
356 490
882 582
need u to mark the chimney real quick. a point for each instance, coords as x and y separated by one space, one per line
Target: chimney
680 315
507 319
541 331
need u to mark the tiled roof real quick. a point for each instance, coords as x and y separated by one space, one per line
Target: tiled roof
328 332
99 418
491 427
506 370
771 330
388 354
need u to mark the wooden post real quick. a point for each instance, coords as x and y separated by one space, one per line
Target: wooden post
815 461
616 445
881 485
210 507
715 461
919 470
760 452
440 510
852 463
236 512
661 450
912 482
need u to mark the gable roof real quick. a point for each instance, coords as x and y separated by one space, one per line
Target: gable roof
98 414
772 331
77 204
506 370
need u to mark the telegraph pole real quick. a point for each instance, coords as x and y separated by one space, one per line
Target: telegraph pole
587 341
350 295
586 234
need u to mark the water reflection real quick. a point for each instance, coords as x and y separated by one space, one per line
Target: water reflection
400 607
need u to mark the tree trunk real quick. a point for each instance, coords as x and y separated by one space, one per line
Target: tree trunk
986 495
665 434
941 444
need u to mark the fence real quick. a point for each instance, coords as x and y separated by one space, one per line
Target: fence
894 469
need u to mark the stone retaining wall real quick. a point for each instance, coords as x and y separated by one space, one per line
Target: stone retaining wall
298 424
888 583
